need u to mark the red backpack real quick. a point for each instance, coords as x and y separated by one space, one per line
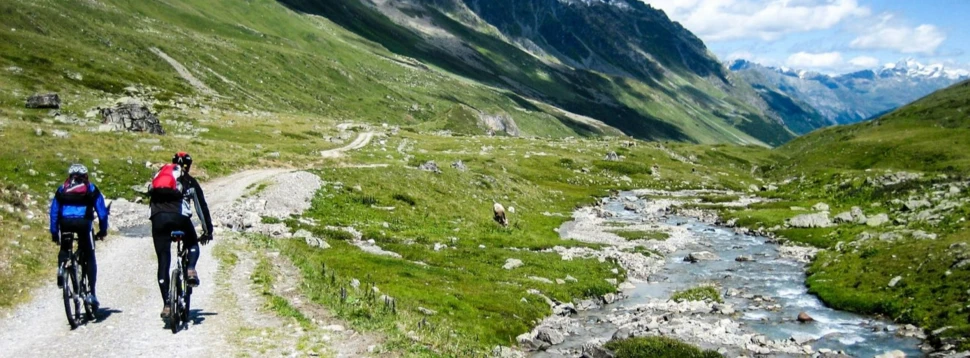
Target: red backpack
166 185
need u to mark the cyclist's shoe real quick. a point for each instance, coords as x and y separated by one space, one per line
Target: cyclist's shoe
193 278
92 301
166 312
60 277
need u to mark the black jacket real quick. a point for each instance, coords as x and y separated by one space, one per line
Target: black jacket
184 207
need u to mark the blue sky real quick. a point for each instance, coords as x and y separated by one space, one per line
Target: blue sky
831 36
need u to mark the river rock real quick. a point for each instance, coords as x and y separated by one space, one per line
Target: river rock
695 257
892 354
910 331
802 339
804 317
549 335
133 116
529 343
878 220
622 333
743 258
506 352
816 220
596 351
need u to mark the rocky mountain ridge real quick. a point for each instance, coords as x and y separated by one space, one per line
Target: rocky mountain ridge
851 97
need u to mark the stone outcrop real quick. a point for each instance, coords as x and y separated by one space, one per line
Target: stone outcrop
44 101
133 116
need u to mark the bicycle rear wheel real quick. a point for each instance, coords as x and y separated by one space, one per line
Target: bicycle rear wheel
174 317
71 304
84 290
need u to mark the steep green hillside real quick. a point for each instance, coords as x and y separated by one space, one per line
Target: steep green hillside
653 94
931 134
255 55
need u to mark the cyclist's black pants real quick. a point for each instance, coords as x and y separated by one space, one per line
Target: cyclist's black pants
85 244
162 226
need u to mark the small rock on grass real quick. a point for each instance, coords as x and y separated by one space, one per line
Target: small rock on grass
512 263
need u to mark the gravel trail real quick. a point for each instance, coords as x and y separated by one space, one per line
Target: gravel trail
362 140
130 302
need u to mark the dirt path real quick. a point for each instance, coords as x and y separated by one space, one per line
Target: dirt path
130 325
184 72
362 140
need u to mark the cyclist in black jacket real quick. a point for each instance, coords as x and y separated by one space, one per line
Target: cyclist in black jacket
174 214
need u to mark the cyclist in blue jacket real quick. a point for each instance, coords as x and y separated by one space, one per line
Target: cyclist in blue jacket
72 210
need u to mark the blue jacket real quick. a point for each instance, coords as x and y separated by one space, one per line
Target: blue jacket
63 207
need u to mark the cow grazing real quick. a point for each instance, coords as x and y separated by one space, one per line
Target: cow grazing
499 212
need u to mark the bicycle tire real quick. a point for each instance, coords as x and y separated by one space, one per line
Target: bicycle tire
84 290
173 300
69 303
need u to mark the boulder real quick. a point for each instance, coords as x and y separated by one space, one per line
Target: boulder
815 220
892 354
132 116
914 205
44 101
804 318
895 281
878 220
694 257
596 351
622 333
858 215
512 263
528 342
843 218
460 165
430 166
612 156
506 352
549 335
821 207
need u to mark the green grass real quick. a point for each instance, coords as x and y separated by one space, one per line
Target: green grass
658 347
702 293
641 235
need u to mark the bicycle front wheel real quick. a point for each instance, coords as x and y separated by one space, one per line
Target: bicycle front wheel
71 303
174 316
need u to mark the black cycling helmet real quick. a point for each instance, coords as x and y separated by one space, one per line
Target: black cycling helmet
183 159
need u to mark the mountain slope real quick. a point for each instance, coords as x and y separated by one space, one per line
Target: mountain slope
926 135
852 97
651 96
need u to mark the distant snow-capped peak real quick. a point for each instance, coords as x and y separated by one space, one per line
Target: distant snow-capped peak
912 68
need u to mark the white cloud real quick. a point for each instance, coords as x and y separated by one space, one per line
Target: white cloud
865 62
824 60
888 34
718 20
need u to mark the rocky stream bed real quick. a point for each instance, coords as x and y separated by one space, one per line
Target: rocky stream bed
762 284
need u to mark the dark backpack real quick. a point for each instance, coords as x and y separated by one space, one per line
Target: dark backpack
166 185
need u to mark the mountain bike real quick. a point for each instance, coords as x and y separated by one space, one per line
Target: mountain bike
75 291
179 291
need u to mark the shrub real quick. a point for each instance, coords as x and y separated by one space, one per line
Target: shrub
657 347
